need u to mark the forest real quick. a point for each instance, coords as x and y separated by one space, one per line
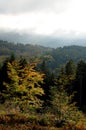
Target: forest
32 97
44 92
54 57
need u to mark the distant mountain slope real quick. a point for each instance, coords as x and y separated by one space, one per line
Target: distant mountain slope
60 56
43 40
54 57
27 50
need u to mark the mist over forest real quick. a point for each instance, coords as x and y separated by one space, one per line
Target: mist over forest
43 40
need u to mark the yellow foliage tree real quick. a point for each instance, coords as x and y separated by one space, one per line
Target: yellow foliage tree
24 85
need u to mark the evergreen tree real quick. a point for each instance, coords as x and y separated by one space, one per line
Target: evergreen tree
70 68
81 83
49 80
66 81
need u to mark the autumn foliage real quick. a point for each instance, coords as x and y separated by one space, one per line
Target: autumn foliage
33 98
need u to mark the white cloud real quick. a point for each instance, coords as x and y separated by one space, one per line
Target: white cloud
20 6
45 17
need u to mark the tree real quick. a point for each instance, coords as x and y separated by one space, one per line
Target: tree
12 58
22 62
49 80
63 107
66 80
24 85
81 83
70 68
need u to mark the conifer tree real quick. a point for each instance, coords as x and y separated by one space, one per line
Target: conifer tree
70 68
81 83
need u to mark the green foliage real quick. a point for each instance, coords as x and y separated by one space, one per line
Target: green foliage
63 107
23 89
60 56
66 81
28 51
54 57
70 68
81 83
49 80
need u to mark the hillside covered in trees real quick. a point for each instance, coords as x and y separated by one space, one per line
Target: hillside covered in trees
60 56
18 49
54 58
34 97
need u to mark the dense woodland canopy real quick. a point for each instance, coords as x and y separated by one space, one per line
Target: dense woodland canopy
27 50
31 86
54 57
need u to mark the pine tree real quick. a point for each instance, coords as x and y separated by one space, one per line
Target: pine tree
70 68
81 83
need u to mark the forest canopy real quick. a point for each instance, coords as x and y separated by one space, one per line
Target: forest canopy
50 84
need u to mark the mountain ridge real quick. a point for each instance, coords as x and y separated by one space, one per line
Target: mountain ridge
54 57
46 41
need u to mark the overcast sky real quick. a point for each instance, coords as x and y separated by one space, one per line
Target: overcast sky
44 17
